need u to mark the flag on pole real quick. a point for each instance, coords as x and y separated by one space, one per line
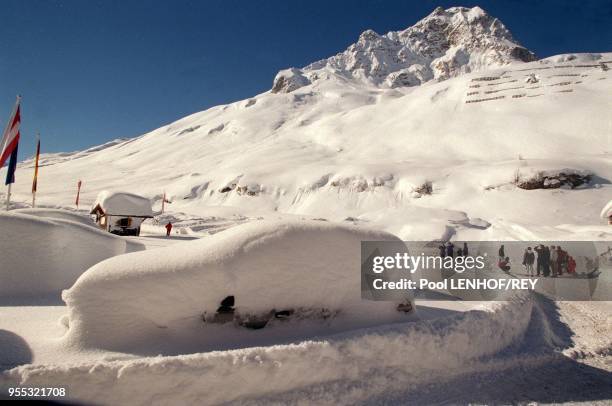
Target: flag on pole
10 174
79 183
10 143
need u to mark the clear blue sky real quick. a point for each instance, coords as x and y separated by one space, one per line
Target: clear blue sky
91 71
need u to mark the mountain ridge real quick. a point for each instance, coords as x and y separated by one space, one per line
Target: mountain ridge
444 44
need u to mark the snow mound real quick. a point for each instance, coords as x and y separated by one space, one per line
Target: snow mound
385 358
43 256
122 203
157 299
607 210
57 214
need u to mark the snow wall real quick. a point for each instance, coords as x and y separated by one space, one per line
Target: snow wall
153 301
45 255
57 214
344 368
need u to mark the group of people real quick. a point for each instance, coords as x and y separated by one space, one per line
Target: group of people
549 261
448 250
552 260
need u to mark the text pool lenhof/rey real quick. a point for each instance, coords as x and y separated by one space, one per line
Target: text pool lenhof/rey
456 284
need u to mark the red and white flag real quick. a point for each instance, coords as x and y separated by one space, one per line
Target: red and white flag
10 138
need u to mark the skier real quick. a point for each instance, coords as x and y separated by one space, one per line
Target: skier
501 252
465 249
168 229
528 259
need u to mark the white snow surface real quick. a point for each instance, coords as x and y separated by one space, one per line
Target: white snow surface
60 214
369 360
348 139
606 211
337 149
42 256
265 264
123 203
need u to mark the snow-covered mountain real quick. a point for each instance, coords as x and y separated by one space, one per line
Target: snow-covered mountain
349 146
444 44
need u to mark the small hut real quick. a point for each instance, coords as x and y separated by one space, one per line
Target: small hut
121 213
606 213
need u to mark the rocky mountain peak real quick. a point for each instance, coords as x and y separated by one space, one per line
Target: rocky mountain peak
446 43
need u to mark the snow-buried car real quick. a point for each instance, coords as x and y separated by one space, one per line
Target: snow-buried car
298 279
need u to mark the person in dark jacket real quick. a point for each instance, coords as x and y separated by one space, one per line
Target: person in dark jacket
540 261
442 249
465 249
528 260
450 249
501 253
546 261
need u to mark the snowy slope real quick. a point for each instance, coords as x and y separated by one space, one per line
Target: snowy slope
335 150
346 145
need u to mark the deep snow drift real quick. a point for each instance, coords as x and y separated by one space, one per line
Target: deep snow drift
157 299
42 255
370 361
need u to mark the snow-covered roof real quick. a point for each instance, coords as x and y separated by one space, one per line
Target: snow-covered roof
122 203
607 210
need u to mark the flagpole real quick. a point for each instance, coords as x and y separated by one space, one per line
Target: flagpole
8 196
35 181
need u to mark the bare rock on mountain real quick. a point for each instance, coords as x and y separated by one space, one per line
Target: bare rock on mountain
288 80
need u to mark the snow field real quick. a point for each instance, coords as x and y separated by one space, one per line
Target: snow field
375 359
292 152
